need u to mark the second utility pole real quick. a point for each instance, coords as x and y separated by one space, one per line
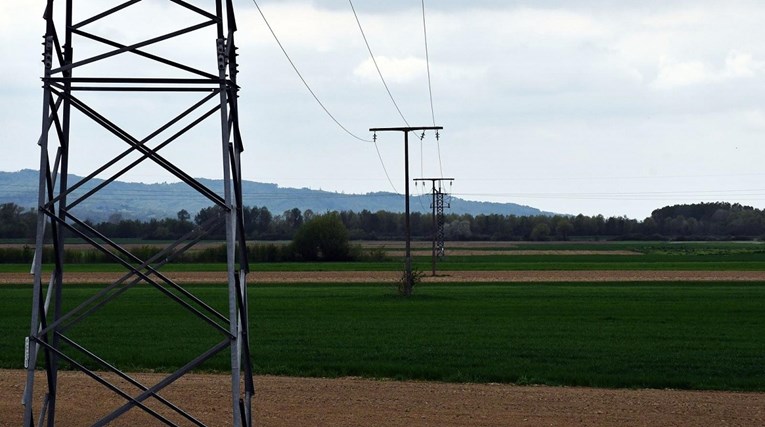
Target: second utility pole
408 279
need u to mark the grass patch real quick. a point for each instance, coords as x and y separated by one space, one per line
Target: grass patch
678 335
706 261
700 256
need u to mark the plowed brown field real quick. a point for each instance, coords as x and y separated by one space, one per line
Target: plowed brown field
446 277
281 401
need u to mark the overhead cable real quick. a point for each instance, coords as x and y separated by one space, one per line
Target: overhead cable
323 107
643 195
427 63
384 169
374 61
430 86
302 79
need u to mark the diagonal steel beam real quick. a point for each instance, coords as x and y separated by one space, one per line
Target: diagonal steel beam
52 117
104 14
57 122
151 136
129 48
164 383
102 381
147 278
104 296
111 368
197 10
57 45
161 161
147 55
241 301
136 162
150 271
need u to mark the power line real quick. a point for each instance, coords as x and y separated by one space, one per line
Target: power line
610 177
294 67
427 63
422 169
185 196
377 67
302 79
384 169
430 87
14 190
387 89
757 194
634 196
440 166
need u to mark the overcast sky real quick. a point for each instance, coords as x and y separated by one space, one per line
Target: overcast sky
594 107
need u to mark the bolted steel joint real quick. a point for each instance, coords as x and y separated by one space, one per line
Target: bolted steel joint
48 53
221 44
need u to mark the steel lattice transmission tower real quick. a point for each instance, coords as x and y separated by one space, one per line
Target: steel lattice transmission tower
95 59
437 205
438 201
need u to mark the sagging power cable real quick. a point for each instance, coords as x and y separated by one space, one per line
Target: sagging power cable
316 98
374 61
430 86
294 67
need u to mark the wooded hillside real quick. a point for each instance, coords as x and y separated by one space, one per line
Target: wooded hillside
703 221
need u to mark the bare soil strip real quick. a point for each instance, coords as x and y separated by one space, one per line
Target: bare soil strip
284 401
483 252
446 277
475 244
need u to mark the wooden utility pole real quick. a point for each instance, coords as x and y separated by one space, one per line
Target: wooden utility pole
409 282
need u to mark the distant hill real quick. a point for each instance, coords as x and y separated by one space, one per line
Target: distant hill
145 201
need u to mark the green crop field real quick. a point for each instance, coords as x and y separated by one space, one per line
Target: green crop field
679 335
504 256
707 256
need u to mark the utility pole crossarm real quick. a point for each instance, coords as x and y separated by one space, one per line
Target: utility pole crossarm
405 128
433 179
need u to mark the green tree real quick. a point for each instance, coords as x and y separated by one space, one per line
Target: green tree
564 228
541 231
323 238
308 215
205 214
15 222
183 215
458 230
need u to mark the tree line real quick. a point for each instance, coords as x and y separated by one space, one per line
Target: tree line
702 221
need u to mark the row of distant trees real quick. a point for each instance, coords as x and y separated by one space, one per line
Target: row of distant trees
702 221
